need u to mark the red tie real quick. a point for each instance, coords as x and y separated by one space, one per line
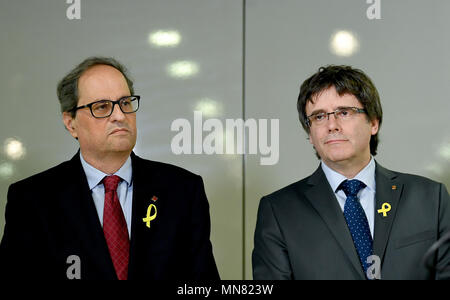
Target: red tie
115 228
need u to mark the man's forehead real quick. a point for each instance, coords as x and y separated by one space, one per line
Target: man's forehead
102 81
329 98
99 72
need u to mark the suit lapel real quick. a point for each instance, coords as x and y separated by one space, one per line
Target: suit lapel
388 191
322 198
146 192
82 215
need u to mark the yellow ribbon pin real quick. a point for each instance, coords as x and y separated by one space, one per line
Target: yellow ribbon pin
149 216
384 209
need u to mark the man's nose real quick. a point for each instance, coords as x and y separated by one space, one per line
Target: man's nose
117 114
332 123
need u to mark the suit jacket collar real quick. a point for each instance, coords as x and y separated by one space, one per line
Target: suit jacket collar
322 198
388 190
95 176
366 175
81 212
146 186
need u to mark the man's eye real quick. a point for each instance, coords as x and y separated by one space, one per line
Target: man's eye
319 117
101 106
344 112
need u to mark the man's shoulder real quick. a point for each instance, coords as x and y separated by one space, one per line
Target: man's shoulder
289 193
417 179
162 169
408 178
57 172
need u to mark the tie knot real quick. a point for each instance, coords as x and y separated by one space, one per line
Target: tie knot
351 187
111 183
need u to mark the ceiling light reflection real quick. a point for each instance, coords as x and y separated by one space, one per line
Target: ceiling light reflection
208 107
444 151
6 170
434 168
344 43
164 38
183 69
14 148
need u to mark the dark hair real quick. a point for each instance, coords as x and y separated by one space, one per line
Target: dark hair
346 80
67 89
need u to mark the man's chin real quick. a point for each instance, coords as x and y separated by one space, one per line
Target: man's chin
122 147
338 157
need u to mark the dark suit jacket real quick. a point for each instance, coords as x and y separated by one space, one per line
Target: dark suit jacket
51 216
301 232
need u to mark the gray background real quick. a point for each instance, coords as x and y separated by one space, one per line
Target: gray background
252 57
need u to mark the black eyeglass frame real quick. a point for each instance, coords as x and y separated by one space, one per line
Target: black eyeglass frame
138 98
355 109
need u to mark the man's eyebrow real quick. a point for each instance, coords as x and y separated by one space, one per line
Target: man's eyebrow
103 99
317 111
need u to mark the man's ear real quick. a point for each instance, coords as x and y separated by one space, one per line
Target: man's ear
70 124
375 123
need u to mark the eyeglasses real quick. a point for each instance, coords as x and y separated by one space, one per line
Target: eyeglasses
343 113
104 108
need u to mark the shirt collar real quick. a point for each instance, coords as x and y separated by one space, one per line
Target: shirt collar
366 175
95 176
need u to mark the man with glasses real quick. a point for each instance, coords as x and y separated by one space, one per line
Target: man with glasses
106 213
352 218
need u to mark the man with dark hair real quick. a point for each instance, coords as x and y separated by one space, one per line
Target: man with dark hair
352 218
106 213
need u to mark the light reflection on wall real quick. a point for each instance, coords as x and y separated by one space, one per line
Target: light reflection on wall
164 38
209 107
444 151
344 43
434 169
183 69
14 149
6 170
439 167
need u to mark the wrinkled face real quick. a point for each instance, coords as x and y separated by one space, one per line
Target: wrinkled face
100 137
340 142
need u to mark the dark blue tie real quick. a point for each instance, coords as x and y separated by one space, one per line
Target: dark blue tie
357 221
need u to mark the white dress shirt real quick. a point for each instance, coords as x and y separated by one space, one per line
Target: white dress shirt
124 189
366 195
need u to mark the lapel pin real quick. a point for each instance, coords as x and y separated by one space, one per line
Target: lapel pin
384 209
394 187
150 217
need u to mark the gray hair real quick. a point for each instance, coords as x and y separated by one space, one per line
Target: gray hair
67 89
